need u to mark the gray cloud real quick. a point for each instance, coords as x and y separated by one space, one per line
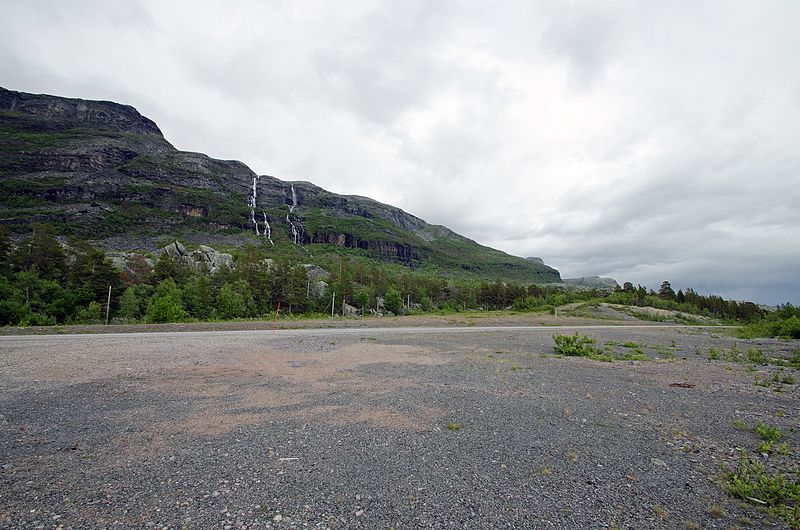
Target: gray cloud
641 141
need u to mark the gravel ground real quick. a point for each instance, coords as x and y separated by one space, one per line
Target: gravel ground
379 428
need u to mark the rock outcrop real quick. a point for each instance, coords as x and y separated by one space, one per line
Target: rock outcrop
197 259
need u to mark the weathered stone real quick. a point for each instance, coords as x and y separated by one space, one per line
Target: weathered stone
318 289
212 258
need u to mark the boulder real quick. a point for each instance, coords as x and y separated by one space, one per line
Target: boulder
318 289
212 259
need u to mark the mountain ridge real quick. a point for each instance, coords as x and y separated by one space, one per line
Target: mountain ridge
102 171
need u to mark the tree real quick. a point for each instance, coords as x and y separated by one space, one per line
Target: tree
130 304
94 271
197 297
165 304
167 267
627 287
12 305
362 299
43 253
296 289
230 303
394 301
5 250
641 292
92 314
425 303
251 267
666 291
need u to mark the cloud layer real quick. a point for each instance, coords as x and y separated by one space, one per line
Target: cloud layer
637 140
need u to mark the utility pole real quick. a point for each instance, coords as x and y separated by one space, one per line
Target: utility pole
333 303
108 305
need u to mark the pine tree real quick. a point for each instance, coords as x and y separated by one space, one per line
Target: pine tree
666 291
43 253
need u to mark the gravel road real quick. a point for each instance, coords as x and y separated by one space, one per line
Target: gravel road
364 428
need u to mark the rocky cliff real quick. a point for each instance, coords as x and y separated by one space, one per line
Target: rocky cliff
101 171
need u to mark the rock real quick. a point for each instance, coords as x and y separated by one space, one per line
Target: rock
316 276
177 252
318 289
133 266
213 259
315 272
350 311
196 259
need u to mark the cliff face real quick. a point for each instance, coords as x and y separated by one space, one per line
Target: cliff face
102 171
64 113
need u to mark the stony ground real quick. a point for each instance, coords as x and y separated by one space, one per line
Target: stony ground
362 428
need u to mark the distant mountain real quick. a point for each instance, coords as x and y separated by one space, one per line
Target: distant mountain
101 171
592 282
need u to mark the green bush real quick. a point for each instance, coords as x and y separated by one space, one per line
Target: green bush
130 305
781 495
574 345
92 314
166 305
394 301
785 323
230 303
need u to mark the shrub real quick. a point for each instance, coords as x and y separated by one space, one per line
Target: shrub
130 304
394 301
166 305
92 314
574 345
230 303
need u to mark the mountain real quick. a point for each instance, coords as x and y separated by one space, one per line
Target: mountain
101 171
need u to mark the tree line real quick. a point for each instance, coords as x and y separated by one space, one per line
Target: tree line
43 282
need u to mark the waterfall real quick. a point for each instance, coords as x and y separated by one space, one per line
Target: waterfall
252 205
267 229
294 200
295 233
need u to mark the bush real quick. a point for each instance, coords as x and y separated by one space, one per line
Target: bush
394 301
92 314
230 303
785 323
130 305
574 345
166 305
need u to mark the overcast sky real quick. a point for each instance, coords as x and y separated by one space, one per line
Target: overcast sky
638 140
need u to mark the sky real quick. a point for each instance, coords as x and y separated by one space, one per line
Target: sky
645 141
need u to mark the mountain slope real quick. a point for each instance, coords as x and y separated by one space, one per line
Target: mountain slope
101 171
